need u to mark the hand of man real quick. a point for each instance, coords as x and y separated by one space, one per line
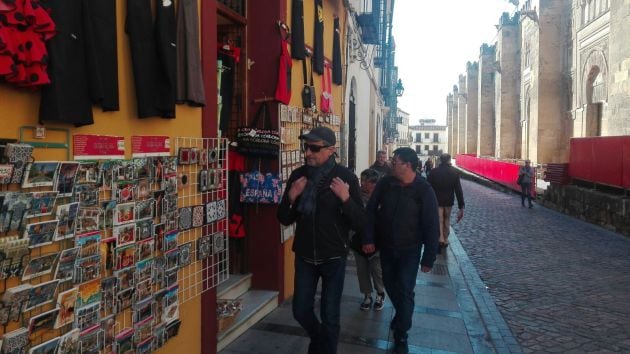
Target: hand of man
425 269
340 188
297 188
369 248
460 214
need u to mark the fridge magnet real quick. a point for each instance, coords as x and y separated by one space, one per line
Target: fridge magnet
124 213
66 302
185 254
125 234
65 266
41 233
198 215
40 174
39 266
64 184
67 216
88 220
194 156
69 342
183 156
203 157
203 247
211 212
41 294
213 155
221 209
42 204
185 218
218 242
43 321
203 180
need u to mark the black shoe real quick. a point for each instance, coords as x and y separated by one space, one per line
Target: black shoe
380 302
367 303
401 346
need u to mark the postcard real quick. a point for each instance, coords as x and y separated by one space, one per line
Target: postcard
126 278
109 287
143 189
90 339
172 259
107 253
69 342
143 310
146 346
88 316
39 266
13 210
125 256
67 216
89 293
88 243
124 341
159 263
88 220
86 194
170 241
4 315
16 299
145 249
125 191
87 269
170 219
6 171
108 326
125 234
87 173
44 321
143 290
15 341
124 213
65 266
47 347
64 183
144 229
40 174
42 204
143 331
125 298
144 270
107 217
41 233
172 329
66 302
170 202
158 196
144 209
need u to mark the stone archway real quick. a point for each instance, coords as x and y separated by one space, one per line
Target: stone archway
525 126
595 92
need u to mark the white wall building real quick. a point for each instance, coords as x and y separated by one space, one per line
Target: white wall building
428 138
402 127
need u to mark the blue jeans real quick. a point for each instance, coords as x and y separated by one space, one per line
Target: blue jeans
325 334
400 269
526 193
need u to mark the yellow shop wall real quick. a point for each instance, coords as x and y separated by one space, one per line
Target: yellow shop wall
19 107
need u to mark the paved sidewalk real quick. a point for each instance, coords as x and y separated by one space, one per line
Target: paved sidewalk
454 313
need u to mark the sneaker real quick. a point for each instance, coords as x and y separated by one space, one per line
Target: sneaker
367 303
380 302
401 346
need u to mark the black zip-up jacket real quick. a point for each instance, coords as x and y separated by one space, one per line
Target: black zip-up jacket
403 216
324 234
446 183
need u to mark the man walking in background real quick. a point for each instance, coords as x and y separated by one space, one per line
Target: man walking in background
381 164
402 218
446 183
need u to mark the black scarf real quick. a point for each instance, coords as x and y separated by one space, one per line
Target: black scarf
316 175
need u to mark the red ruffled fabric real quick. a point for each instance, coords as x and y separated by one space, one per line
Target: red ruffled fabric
24 28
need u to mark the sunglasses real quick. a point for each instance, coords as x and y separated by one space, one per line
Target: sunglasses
313 148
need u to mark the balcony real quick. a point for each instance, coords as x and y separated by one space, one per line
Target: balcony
370 22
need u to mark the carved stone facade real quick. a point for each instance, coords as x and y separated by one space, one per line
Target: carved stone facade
461 98
485 112
472 97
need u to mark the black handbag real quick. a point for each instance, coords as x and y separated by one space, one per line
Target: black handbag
308 92
256 142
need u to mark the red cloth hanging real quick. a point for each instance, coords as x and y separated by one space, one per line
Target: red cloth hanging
327 98
283 88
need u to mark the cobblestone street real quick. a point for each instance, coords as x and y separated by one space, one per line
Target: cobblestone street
561 284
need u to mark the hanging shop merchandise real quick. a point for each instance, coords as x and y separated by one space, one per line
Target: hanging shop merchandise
151 79
283 87
24 29
189 77
327 98
165 28
297 34
318 40
337 74
256 142
308 91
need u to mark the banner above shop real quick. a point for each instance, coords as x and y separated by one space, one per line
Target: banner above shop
149 145
98 147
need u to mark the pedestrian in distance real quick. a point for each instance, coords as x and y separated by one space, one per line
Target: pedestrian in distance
403 224
428 166
369 271
447 185
324 199
382 164
525 176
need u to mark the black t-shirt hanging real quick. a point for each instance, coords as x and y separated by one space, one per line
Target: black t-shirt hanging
318 47
336 59
297 30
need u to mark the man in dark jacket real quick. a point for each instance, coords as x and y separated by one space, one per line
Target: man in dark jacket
402 218
325 201
445 182
381 164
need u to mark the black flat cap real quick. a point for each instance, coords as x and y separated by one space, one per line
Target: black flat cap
320 134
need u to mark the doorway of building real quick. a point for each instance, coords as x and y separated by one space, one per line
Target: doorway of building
352 134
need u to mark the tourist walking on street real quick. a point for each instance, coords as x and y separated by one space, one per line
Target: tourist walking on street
402 218
525 176
446 183
381 164
428 166
325 201
369 270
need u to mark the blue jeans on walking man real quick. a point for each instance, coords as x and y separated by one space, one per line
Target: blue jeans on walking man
325 334
400 269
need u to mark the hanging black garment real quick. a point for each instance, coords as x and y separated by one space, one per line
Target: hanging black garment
226 91
297 30
190 88
318 47
103 57
67 98
336 59
144 56
165 33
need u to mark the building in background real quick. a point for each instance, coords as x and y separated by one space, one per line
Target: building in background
429 138
401 136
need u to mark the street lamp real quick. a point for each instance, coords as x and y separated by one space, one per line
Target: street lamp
399 88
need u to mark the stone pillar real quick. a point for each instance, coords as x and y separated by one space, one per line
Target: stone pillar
485 111
461 102
507 88
472 95
618 102
455 115
449 123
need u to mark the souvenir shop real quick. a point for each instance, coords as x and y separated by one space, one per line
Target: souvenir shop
136 176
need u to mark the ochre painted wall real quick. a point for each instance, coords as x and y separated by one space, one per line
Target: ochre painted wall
19 107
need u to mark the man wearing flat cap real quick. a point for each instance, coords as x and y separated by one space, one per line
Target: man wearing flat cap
325 200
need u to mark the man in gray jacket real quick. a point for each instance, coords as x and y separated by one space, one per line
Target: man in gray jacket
445 182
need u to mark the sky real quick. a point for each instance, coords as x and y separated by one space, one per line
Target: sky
434 41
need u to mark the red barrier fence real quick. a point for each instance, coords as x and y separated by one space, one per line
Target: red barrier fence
604 160
505 173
